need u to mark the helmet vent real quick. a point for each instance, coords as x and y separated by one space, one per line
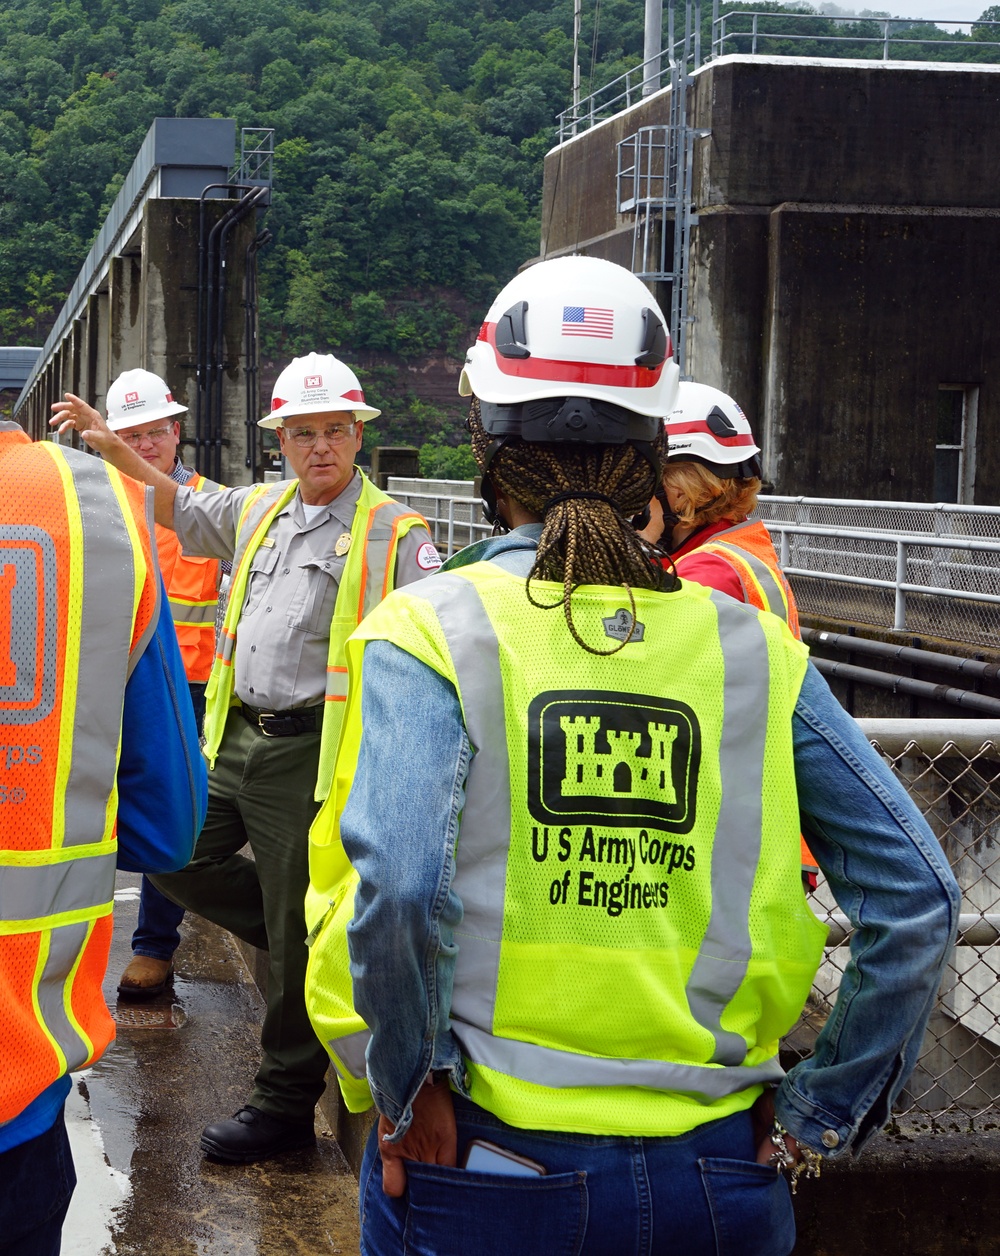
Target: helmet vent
654 341
719 423
511 340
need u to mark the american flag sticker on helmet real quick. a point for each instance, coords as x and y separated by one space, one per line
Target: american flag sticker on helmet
586 320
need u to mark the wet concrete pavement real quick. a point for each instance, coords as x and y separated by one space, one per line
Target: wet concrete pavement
179 1062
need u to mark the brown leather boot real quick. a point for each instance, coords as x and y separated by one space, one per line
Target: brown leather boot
145 977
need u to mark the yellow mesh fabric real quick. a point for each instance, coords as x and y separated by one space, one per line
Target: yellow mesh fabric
593 960
630 1111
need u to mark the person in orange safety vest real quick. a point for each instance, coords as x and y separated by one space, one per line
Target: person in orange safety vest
142 410
700 514
100 771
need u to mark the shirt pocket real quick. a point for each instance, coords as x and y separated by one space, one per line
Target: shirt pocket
262 567
311 606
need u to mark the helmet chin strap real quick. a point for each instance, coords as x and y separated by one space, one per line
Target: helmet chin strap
670 520
487 489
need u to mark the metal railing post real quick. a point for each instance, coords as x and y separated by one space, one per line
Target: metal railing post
451 526
885 40
753 45
900 618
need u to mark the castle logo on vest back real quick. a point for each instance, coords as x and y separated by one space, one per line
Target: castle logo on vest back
597 757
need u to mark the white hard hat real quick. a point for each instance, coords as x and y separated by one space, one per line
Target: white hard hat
707 426
574 327
138 397
316 384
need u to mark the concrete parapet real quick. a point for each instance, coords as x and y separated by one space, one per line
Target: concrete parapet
913 1192
841 274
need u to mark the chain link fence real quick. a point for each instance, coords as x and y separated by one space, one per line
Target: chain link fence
951 769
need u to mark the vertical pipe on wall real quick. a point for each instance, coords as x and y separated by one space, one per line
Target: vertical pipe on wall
652 47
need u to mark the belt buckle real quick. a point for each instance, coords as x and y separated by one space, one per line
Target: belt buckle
261 717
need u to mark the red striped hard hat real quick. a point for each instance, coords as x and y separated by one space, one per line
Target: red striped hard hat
319 383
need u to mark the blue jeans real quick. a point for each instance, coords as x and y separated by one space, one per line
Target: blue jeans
36 1182
702 1194
156 934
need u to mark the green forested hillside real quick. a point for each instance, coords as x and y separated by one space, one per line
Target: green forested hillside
409 141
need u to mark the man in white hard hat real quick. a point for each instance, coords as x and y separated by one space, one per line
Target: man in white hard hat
142 410
310 557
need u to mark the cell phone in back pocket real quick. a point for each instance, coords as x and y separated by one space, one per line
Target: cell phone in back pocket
484 1157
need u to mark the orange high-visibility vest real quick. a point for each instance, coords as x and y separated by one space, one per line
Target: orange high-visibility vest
193 593
79 602
748 549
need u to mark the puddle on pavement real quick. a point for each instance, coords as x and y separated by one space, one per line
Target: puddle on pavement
149 1016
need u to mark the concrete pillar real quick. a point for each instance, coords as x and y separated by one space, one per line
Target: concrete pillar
89 351
169 320
124 298
101 315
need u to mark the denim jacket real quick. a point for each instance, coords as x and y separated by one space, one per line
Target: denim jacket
866 834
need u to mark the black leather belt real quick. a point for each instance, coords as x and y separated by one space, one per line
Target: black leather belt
284 723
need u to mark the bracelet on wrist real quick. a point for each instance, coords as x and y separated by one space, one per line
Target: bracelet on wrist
807 1165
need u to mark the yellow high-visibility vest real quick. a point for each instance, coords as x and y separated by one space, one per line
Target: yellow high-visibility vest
636 939
369 574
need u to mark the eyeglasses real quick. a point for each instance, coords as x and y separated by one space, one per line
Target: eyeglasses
306 437
156 435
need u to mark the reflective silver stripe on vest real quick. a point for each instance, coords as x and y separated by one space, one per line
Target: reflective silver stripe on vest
105 636
350 1051
725 950
154 574
200 614
484 837
480 881
545 1066
35 893
774 594
65 945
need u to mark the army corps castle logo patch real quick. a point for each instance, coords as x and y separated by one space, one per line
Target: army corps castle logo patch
596 757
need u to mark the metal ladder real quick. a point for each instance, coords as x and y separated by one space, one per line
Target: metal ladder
653 182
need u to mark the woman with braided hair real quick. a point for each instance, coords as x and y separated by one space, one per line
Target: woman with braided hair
585 497
570 787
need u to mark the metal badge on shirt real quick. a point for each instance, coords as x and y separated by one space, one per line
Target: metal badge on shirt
343 544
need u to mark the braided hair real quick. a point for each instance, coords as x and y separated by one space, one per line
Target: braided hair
586 496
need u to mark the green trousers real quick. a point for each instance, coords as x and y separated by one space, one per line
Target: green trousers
261 793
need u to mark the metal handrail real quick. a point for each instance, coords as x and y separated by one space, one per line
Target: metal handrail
861 503
885 40
627 89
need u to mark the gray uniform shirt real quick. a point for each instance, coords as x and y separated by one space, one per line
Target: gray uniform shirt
283 634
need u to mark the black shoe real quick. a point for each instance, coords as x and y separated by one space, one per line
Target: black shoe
254 1135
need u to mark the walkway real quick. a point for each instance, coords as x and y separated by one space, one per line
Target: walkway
180 1062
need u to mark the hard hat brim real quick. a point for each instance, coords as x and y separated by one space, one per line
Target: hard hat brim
168 411
275 417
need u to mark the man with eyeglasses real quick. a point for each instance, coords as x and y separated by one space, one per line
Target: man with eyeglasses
142 410
311 556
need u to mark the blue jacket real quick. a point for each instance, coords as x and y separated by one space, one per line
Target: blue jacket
868 838
162 796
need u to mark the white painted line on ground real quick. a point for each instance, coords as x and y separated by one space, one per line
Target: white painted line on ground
100 1189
